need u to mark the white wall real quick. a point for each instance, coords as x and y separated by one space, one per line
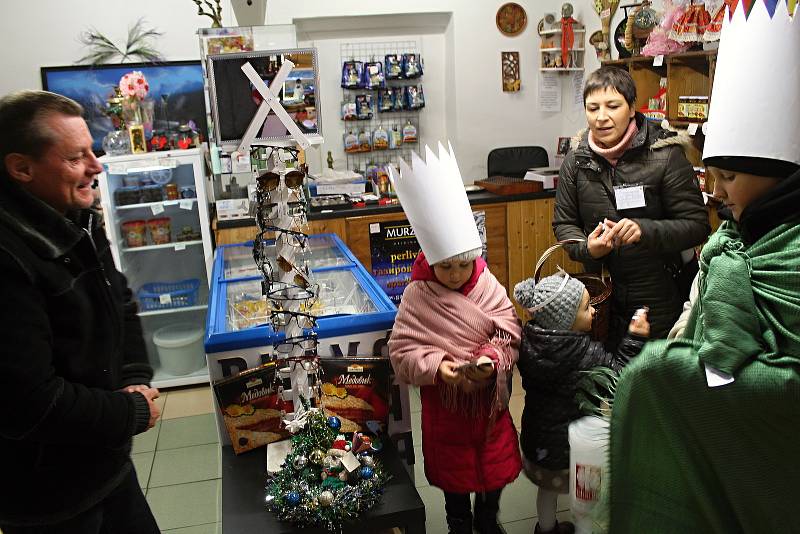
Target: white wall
471 109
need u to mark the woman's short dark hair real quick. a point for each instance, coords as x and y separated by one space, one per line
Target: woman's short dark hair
21 121
611 78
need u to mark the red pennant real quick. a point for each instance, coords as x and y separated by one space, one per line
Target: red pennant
748 7
732 5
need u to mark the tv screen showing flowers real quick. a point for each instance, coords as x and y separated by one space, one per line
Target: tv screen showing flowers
166 98
235 100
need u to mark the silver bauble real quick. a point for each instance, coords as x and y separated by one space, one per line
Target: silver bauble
325 498
300 462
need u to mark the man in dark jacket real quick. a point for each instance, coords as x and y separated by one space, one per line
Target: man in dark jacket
73 368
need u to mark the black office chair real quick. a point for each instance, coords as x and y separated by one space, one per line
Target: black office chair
515 161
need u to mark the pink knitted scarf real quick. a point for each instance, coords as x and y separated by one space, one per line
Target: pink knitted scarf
436 323
613 154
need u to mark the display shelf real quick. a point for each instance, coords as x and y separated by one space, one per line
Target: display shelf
162 379
550 53
172 244
165 203
173 310
558 49
558 69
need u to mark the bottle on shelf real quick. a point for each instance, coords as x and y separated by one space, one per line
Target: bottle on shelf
330 160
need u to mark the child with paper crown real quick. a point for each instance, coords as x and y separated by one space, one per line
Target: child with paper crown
705 428
556 349
456 336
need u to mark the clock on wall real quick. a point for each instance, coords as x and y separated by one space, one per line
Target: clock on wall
511 19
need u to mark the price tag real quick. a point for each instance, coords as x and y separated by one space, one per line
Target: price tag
658 60
180 246
374 228
157 208
692 129
186 204
165 299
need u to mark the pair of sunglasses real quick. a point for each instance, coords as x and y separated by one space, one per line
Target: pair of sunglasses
307 343
282 318
270 181
280 291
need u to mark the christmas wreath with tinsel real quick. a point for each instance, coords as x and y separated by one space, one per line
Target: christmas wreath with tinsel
325 479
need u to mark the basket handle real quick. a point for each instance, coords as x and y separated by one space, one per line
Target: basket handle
547 253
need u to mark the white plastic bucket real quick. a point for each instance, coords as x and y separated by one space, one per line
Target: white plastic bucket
180 348
588 446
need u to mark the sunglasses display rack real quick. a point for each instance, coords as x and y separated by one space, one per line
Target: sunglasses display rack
280 214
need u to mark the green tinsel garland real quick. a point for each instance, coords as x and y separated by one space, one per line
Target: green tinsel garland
293 494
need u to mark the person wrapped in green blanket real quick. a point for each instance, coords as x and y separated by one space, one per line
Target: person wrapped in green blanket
705 428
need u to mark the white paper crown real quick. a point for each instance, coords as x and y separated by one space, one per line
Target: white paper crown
436 204
755 101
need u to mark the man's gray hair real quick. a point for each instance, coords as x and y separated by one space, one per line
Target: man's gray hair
22 116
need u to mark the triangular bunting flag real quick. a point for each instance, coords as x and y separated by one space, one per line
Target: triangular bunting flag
771 5
748 7
791 5
732 5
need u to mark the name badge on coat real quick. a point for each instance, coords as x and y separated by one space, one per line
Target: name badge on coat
629 197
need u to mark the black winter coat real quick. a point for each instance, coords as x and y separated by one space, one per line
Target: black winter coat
71 339
674 219
550 364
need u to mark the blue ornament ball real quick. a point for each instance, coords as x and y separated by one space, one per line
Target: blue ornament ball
334 422
293 498
367 472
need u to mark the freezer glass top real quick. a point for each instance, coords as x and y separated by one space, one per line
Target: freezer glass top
340 293
321 252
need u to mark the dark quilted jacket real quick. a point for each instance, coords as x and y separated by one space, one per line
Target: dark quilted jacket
674 219
550 363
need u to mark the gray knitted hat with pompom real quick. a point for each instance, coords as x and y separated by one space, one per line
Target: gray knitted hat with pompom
559 313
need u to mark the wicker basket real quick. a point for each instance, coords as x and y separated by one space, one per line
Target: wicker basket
599 287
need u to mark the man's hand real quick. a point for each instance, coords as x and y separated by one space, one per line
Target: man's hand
640 326
598 243
623 232
151 394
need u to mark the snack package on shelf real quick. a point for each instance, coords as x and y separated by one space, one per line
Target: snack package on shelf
385 99
412 66
351 74
395 138
356 390
351 142
364 141
349 112
394 67
409 133
364 107
373 75
251 408
380 139
415 99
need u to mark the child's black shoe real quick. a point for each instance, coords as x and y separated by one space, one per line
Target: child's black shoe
459 525
561 528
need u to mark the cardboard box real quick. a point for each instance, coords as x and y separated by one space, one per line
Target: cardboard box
547 175
356 390
251 408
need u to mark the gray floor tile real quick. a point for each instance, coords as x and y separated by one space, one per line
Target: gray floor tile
146 441
419 469
187 431
518 500
526 526
413 396
515 406
434 510
143 462
516 385
209 528
188 464
185 505
416 428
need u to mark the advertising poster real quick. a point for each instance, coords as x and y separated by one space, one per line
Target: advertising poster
394 247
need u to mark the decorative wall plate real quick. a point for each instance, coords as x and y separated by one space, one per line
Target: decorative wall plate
511 19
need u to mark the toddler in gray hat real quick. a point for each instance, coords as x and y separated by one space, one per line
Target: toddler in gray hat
556 347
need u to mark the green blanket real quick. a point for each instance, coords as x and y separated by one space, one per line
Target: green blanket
686 457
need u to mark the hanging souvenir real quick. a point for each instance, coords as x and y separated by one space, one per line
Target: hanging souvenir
412 66
351 142
395 138
398 99
351 74
364 141
385 95
415 99
409 133
394 67
380 139
349 112
373 75
364 107
691 26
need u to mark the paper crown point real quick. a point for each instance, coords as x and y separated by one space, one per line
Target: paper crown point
755 104
433 197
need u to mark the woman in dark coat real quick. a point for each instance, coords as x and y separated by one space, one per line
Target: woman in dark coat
627 185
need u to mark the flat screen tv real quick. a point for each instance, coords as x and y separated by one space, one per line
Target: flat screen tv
234 100
176 88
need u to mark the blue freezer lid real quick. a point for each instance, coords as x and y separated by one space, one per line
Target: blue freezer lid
340 268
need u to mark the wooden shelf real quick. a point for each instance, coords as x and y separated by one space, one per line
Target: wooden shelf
559 69
558 49
557 31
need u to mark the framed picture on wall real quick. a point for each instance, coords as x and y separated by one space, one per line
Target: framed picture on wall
176 88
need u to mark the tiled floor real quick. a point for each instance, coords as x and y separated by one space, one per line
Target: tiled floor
178 464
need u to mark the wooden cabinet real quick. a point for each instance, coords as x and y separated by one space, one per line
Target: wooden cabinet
687 74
